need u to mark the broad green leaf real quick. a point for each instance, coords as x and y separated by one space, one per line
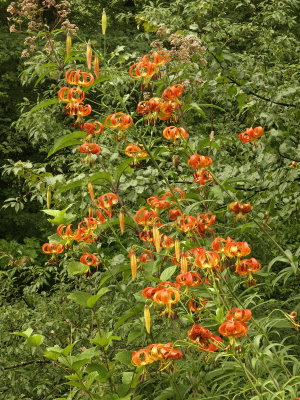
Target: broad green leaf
60 216
128 314
79 297
95 178
167 273
67 350
122 168
35 340
76 268
124 357
69 186
93 299
206 143
53 353
43 104
26 334
71 139
45 73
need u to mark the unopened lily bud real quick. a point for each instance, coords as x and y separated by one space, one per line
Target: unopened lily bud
91 212
184 265
104 22
49 198
133 264
68 45
91 191
122 222
147 319
89 55
156 238
177 249
96 67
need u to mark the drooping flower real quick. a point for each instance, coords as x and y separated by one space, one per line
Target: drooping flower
204 338
173 92
174 133
236 249
90 260
247 266
145 217
239 208
79 78
158 57
197 161
118 121
107 200
143 69
135 151
52 248
71 95
92 148
233 329
189 279
201 176
92 128
251 134
239 314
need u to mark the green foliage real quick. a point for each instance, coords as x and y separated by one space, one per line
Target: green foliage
82 320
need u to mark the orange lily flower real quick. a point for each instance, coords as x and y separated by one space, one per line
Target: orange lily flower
206 259
247 266
239 208
186 223
92 128
146 257
92 148
189 279
90 260
119 121
236 249
174 133
79 78
132 150
106 201
197 161
250 134
158 57
201 176
145 217
173 92
143 69
78 109
71 95
204 337
52 248
239 314
158 202
233 329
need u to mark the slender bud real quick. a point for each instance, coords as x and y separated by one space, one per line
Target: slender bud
122 222
184 265
133 264
68 45
177 249
91 191
91 212
104 22
89 55
96 67
147 319
156 238
49 198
